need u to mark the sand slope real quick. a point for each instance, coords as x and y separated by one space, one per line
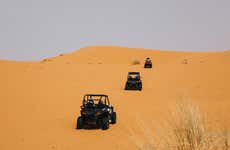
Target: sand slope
39 101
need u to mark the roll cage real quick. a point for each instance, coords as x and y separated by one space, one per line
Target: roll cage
96 98
133 76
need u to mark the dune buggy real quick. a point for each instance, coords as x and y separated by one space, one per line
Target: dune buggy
133 81
148 63
96 111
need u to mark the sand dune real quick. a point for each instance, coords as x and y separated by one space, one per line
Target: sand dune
39 101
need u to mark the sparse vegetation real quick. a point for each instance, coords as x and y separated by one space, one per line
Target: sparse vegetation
187 130
136 62
46 60
185 61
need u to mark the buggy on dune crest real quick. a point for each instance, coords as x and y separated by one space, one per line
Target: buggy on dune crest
133 81
96 110
148 63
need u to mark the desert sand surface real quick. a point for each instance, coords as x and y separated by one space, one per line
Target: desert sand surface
40 101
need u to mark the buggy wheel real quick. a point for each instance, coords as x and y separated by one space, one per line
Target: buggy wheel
140 87
98 123
126 87
80 123
105 123
148 66
113 118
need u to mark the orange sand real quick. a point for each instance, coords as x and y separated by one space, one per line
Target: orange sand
40 101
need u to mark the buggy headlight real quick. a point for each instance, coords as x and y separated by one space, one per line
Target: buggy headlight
109 110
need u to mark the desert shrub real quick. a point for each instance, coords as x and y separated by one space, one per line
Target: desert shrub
185 61
187 130
136 62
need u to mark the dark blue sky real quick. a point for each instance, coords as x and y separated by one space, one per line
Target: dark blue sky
34 29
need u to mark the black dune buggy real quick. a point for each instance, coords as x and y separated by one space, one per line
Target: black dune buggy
148 63
133 81
96 111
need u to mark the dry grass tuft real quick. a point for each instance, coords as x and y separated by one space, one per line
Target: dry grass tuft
187 130
136 62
